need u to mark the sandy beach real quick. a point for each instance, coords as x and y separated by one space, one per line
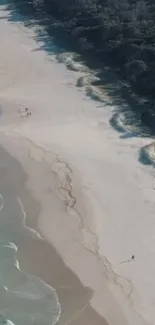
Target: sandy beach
89 196
35 255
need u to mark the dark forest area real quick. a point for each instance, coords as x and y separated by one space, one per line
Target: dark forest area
121 32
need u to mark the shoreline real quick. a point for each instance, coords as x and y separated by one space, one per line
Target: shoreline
82 173
37 257
102 302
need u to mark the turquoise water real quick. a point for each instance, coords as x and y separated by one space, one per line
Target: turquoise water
24 298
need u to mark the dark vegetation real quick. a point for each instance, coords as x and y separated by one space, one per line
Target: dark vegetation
120 33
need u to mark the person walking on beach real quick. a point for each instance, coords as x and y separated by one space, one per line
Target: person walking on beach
27 112
126 261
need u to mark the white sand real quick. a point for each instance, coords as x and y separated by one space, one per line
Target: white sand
114 213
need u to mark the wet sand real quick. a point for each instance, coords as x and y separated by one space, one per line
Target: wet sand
42 259
38 257
90 193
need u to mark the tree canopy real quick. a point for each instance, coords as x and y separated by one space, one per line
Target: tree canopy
121 30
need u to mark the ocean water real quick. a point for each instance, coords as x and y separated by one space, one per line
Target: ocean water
24 298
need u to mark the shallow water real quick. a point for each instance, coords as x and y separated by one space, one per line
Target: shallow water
24 298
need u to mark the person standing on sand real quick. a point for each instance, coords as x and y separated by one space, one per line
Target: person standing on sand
132 258
27 112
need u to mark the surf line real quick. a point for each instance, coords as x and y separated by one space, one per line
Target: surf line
2 202
24 221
